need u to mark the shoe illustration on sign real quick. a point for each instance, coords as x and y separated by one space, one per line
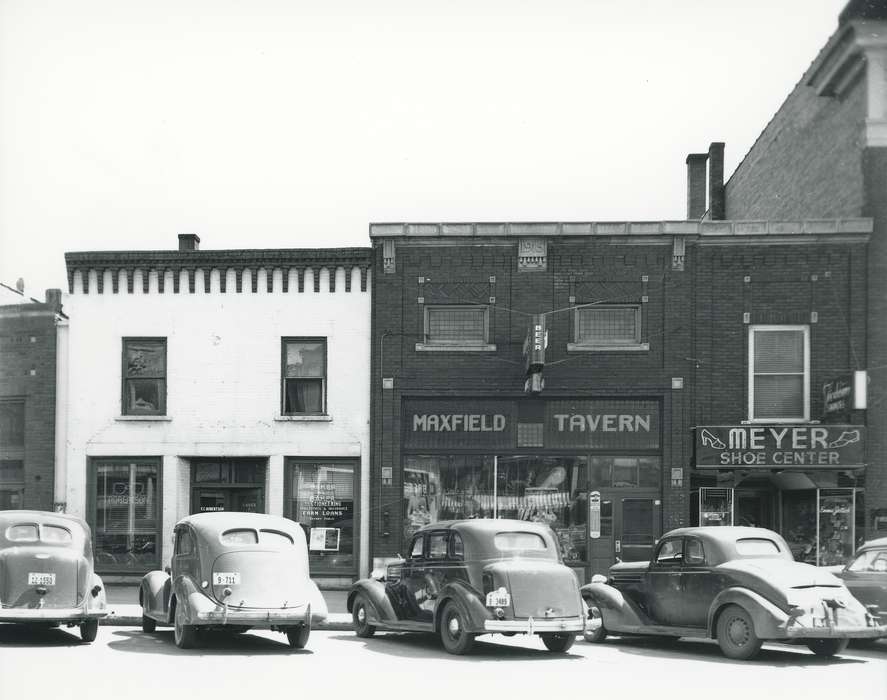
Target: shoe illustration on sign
848 437
709 440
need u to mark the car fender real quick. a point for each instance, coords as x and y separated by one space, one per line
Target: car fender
98 602
768 619
192 600
373 592
468 601
154 591
616 610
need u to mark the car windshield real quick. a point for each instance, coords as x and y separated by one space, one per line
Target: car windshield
757 547
55 534
519 542
22 533
240 537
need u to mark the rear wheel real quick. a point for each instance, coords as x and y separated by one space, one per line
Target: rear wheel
453 630
362 627
594 631
89 630
298 636
185 635
736 634
558 642
827 647
149 624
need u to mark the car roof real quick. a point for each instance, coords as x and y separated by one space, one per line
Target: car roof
491 525
873 544
40 516
231 520
723 533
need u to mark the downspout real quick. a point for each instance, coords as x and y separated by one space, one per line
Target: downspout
60 472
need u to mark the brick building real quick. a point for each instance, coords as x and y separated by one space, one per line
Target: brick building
30 335
219 380
652 332
823 155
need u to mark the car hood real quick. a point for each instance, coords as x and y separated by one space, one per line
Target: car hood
783 574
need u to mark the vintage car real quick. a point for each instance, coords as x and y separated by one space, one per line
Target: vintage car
46 572
234 572
739 585
866 576
468 577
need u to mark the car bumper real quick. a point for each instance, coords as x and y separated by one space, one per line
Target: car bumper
533 626
795 632
258 618
50 614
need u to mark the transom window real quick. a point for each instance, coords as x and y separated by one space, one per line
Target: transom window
779 373
144 376
603 326
456 325
304 376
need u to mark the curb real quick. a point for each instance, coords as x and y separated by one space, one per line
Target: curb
336 622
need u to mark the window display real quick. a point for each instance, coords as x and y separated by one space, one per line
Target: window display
715 506
799 523
835 526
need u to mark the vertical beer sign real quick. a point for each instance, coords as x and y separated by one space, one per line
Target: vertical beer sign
594 515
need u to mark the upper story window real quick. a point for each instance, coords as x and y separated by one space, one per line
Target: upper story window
779 373
457 327
613 327
12 424
304 375
144 376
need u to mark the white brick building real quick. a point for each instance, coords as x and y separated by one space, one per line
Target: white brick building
218 380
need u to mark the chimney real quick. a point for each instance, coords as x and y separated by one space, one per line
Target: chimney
189 241
54 299
696 186
716 200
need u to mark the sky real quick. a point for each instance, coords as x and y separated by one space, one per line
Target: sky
284 123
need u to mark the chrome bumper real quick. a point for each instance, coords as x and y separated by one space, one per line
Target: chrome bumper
534 626
258 618
824 632
50 614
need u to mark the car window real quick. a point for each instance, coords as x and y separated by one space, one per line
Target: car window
694 553
456 546
670 552
872 560
757 547
437 545
240 537
519 541
275 537
416 548
22 533
184 542
55 534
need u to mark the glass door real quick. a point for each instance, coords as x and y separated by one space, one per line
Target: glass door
637 526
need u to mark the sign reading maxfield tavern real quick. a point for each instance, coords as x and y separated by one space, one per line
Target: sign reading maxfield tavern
780 446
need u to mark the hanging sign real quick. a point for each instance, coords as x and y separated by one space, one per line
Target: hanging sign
594 515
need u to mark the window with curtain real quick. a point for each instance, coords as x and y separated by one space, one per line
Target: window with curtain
144 376
779 368
304 376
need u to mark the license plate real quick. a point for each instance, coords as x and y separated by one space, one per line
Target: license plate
498 599
223 578
41 579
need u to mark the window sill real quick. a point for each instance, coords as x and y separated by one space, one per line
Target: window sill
143 418
577 347
305 419
422 347
781 421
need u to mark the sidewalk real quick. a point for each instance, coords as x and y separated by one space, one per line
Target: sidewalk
124 609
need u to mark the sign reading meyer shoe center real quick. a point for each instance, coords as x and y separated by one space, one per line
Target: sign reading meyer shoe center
780 446
593 424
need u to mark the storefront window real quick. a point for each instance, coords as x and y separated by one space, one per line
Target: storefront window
320 497
799 523
835 526
624 472
715 506
126 517
549 490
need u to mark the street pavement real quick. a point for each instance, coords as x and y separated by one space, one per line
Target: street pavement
124 662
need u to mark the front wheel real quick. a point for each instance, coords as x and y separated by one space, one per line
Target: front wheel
827 647
736 634
149 624
298 636
453 631
89 630
594 631
362 627
185 635
558 642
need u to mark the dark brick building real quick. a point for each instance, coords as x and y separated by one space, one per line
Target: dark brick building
28 349
652 333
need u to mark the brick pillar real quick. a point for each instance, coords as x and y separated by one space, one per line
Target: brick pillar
716 199
696 170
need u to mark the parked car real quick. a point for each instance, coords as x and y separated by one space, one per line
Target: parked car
47 572
866 576
468 577
234 572
739 585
